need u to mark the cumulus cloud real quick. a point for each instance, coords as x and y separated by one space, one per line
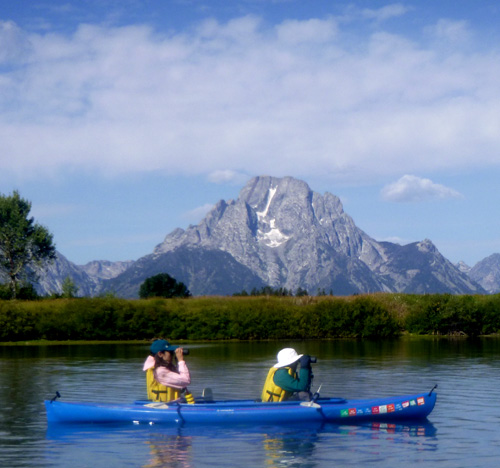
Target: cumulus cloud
451 31
389 11
410 188
292 98
196 214
12 42
395 240
227 176
313 30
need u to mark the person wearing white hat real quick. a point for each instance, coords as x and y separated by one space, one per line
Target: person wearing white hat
283 382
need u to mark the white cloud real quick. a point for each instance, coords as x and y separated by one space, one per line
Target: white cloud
227 176
241 95
389 11
410 188
12 42
451 31
313 30
197 214
396 240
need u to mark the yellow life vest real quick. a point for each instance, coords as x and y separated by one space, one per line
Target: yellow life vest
159 392
271 392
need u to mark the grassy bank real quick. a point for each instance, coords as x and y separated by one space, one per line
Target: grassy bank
249 318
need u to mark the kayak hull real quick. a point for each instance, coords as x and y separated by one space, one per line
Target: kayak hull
336 410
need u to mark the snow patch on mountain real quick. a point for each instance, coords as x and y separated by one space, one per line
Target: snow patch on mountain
270 235
272 238
262 214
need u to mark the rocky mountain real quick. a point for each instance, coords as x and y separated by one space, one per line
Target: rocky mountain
419 268
204 271
51 279
463 267
88 278
104 269
487 273
280 233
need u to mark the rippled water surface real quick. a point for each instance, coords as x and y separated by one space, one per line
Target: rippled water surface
462 431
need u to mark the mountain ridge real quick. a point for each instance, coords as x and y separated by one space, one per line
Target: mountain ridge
280 233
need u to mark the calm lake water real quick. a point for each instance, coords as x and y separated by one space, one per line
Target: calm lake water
462 431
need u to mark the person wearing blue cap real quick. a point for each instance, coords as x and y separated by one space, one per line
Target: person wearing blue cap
165 379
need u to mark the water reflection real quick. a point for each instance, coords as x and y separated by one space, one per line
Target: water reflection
193 446
170 451
293 448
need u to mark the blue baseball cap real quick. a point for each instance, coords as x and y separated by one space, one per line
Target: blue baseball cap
162 345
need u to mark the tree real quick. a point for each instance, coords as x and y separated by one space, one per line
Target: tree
163 285
301 292
24 244
69 288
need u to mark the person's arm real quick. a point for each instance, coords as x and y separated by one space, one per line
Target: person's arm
174 379
285 381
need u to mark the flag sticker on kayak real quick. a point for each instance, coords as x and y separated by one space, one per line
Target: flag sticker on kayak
382 409
349 412
421 401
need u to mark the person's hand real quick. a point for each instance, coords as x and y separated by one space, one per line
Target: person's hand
179 354
305 361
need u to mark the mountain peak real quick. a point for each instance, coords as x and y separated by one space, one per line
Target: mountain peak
292 237
280 233
487 273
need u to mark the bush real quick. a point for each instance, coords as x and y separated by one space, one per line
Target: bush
362 317
24 292
444 314
249 317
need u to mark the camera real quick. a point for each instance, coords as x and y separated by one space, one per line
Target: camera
313 359
185 351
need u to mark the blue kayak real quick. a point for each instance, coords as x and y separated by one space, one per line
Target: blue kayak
336 410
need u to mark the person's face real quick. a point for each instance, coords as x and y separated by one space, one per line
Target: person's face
167 356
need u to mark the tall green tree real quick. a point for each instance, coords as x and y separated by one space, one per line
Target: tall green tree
69 288
24 244
163 285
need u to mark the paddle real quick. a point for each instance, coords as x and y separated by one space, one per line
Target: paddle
313 403
310 404
58 395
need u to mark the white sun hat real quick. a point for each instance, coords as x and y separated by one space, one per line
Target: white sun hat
287 356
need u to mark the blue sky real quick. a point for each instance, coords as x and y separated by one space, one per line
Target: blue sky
121 120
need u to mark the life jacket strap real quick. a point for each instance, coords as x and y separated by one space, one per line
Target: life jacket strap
272 395
157 393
